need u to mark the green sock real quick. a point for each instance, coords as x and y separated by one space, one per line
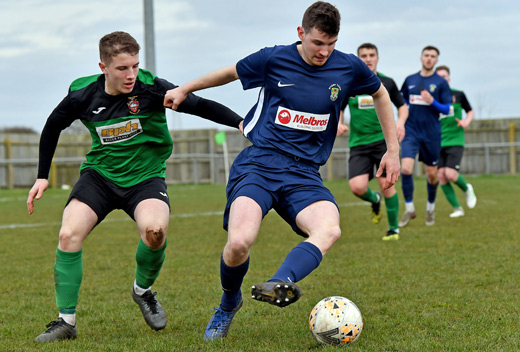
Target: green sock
392 211
370 196
450 195
149 263
461 182
68 273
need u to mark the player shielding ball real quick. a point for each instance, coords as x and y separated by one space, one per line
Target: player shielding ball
292 128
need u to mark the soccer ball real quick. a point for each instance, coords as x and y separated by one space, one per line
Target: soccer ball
335 321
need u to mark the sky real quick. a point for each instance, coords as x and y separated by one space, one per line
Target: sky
45 45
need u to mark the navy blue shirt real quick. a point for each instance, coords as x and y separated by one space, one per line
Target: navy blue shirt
298 107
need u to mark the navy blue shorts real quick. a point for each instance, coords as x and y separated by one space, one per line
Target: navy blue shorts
103 196
275 181
429 150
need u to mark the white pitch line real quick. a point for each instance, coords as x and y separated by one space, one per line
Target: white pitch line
173 216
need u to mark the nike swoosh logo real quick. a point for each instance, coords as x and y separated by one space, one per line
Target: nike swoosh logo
99 110
163 194
412 86
281 85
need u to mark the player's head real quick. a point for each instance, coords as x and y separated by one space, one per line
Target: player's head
369 54
429 57
119 55
319 32
444 72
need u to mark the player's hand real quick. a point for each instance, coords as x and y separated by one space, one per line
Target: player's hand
174 97
390 163
426 96
341 129
36 192
462 123
401 132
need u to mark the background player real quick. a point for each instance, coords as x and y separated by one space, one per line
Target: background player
367 143
427 94
452 148
292 127
125 169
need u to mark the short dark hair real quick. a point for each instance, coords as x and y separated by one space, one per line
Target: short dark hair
322 16
367 46
443 67
116 43
431 47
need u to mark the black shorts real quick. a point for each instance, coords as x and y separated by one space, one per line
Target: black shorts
103 196
451 157
365 159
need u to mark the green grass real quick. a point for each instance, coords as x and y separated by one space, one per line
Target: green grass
450 287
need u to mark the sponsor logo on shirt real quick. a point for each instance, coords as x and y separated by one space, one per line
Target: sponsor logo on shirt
365 102
299 120
133 105
119 132
416 99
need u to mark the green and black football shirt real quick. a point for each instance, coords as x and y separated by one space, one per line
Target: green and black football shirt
452 134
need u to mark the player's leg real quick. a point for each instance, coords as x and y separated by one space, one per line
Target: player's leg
407 164
360 188
457 178
432 183
148 204
78 220
243 224
361 164
445 177
392 210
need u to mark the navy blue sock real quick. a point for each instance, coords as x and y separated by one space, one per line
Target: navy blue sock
299 263
407 184
231 278
432 191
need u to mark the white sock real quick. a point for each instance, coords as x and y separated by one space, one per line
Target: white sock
140 291
69 318
409 207
430 206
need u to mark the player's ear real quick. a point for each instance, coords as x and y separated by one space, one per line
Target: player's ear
103 67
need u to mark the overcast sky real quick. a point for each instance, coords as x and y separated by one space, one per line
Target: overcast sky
46 44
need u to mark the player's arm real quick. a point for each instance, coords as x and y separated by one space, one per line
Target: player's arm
57 122
342 128
402 116
469 112
440 107
175 97
385 114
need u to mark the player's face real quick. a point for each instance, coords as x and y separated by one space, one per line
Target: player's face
444 74
120 74
369 57
316 46
429 59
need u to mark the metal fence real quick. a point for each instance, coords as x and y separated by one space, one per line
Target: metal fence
491 149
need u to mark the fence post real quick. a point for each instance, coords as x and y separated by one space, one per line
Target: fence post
9 168
512 149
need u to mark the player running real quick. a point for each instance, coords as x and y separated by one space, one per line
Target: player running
452 148
125 169
292 127
367 144
427 95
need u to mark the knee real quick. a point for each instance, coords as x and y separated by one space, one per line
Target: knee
155 236
237 248
69 240
358 191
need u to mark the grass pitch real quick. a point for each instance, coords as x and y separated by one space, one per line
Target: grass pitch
449 287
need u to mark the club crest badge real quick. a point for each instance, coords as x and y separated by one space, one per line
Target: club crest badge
334 91
133 105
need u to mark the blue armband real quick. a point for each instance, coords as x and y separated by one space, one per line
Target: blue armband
442 108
